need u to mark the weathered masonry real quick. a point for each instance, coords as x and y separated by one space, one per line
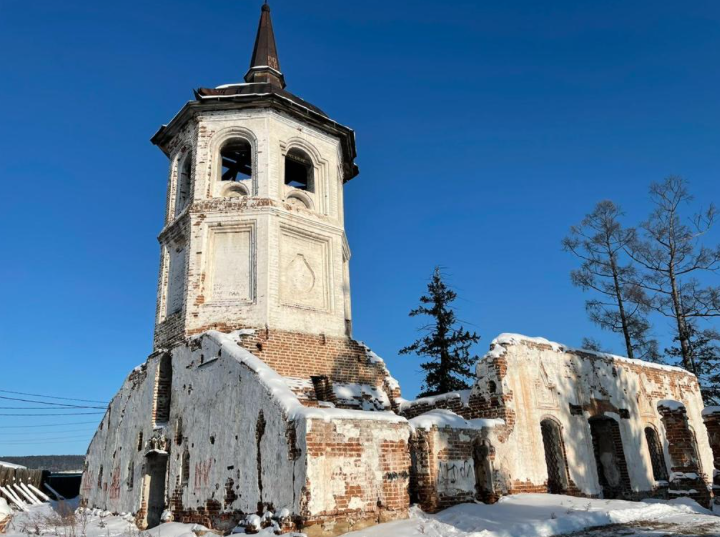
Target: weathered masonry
566 421
257 407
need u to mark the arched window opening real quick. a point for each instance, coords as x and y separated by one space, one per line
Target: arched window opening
554 456
183 184
299 170
657 460
236 158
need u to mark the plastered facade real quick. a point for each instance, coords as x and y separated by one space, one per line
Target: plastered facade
255 253
528 381
232 447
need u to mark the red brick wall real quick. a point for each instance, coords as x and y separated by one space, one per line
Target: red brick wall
712 424
294 354
425 470
682 448
387 500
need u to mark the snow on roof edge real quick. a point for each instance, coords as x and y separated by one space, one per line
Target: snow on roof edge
508 338
282 393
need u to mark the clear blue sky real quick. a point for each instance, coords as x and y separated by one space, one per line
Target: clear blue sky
485 129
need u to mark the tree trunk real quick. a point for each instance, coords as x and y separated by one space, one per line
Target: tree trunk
688 362
621 309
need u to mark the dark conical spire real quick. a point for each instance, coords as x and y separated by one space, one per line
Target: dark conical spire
265 65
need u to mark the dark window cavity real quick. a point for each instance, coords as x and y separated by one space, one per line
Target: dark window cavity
236 157
183 184
299 170
657 458
554 456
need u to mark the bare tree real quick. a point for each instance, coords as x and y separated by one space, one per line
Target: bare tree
600 242
672 256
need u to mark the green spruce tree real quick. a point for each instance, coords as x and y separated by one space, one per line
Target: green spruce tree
446 343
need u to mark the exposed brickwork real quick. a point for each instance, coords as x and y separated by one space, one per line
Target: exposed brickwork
712 424
305 355
328 445
163 390
609 427
682 447
436 469
169 331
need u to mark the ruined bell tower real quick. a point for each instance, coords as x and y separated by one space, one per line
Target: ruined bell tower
254 236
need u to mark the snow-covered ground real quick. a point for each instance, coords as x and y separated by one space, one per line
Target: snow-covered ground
541 515
522 515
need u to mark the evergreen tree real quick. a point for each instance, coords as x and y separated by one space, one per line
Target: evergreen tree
705 349
446 344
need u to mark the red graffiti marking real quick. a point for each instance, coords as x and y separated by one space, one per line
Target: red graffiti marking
202 474
115 485
87 481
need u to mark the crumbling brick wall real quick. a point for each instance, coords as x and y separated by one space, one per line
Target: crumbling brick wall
345 457
235 447
525 380
443 469
687 478
341 359
711 417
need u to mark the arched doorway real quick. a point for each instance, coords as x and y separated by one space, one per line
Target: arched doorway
554 456
484 490
610 457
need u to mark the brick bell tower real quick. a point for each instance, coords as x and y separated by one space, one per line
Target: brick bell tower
254 236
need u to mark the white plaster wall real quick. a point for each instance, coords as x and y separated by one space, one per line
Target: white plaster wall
542 380
298 277
216 396
115 444
220 400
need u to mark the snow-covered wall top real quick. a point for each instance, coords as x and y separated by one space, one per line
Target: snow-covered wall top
505 339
